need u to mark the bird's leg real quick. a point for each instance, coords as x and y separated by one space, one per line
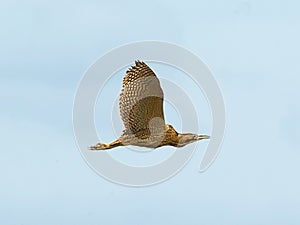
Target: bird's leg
101 146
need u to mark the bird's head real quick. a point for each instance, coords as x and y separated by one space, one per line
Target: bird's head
184 139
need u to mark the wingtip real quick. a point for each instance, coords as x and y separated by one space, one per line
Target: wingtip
138 62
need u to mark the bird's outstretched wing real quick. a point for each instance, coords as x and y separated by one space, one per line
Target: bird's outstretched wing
141 100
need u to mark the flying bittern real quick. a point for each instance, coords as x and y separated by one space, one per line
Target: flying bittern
141 109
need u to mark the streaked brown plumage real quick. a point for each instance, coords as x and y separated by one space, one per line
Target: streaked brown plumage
141 109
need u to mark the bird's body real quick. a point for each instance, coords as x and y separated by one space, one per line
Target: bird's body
151 140
141 109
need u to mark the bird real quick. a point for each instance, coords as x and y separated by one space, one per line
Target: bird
141 109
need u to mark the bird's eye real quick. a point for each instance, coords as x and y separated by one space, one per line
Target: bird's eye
195 136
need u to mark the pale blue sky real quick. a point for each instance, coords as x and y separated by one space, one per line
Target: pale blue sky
253 50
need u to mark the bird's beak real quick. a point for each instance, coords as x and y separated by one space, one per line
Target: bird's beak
202 136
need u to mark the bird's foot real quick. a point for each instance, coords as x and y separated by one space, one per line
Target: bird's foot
100 146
